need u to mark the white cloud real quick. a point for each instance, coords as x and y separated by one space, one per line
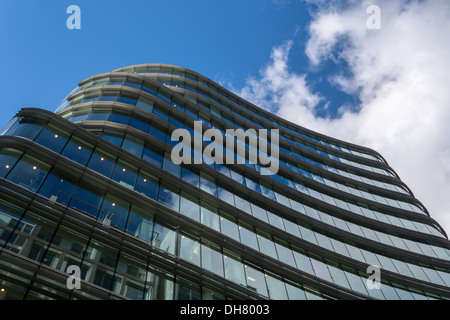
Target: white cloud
401 75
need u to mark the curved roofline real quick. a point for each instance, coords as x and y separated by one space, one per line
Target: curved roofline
309 131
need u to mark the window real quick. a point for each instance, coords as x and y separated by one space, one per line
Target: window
108 98
295 293
145 104
8 126
137 124
52 138
234 269
302 260
87 200
169 198
228 226
26 127
113 137
170 167
102 162
212 258
125 174
276 288
164 237
98 115
209 216
207 183
256 280
57 189
153 158
266 244
189 206
190 177
242 204
8 158
28 173
147 185
189 249
133 145
248 237
77 117
285 254
321 270
9 219
132 84
114 212
158 134
160 114
119 118
140 223
78 150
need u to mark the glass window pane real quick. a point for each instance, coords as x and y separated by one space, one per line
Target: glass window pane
164 237
145 104
169 198
302 260
114 212
57 189
170 167
147 185
133 145
338 276
234 269
124 174
153 158
107 98
77 150
285 254
356 283
212 259
208 184
295 293
321 270
266 244
209 217
52 138
127 100
119 118
9 219
225 196
189 206
113 137
190 250
102 162
140 223
256 280
137 124
276 288
28 173
26 127
87 200
8 158
242 204
228 226
248 237
158 134
8 126
259 213
190 177
98 115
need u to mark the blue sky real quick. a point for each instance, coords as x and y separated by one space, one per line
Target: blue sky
227 41
313 62
224 40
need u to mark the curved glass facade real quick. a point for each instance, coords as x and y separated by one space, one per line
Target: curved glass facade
94 186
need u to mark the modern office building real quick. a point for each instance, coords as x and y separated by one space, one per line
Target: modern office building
93 185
